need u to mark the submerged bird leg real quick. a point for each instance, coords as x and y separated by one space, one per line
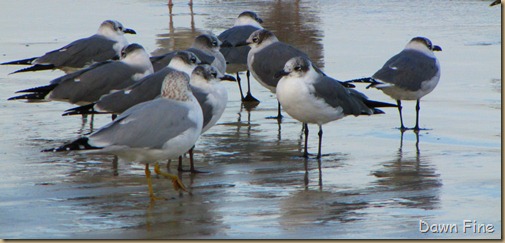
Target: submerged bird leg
150 184
305 152
249 97
176 182
279 115
240 88
418 107
399 102
320 134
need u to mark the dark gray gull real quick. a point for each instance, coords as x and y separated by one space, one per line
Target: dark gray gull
105 45
409 75
88 85
310 97
205 47
267 56
165 127
144 89
236 56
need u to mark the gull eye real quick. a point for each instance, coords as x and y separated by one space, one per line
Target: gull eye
214 43
193 60
255 39
298 68
214 74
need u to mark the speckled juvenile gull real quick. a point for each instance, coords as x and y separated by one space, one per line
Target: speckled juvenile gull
310 97
88 85
165 127
409 75
236 56
106 44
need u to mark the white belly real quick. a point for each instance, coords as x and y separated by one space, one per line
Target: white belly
297 100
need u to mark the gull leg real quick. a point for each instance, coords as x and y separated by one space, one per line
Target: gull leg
249 97
176 182
399 102
305 153
320 134
150 184
240 88
418 107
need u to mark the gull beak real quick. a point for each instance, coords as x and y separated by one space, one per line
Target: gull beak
242 43
280 74
227 77
437 48
129 31
259 20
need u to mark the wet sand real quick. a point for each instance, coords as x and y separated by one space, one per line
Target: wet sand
374 182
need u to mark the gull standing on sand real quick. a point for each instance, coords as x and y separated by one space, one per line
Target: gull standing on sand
409 75
236 56
165 127
106 44
144 89
310 97
88 85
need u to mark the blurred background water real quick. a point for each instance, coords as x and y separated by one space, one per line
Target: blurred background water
375 182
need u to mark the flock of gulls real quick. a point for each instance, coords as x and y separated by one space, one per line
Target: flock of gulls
160 105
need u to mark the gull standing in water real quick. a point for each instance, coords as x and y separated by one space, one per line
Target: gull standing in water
106 44
267 56
88 85
165 127
212 97
409 75
145 89
310 97
236 56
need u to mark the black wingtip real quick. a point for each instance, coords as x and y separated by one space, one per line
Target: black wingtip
27 61
81 110
79 144
33 96
34 68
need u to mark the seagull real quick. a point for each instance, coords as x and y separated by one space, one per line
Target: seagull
409 75
145 89
310 97
162 128
205 47
212 97
236 57
267 56
88 85
106 44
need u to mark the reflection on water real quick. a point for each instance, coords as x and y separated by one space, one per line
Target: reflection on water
179 38
412 178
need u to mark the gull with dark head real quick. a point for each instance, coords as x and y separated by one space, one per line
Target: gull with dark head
165 127
236 56
267 56
106 44
409 75
144 89
311 97
88 85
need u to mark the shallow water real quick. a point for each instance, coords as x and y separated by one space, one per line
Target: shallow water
374 182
